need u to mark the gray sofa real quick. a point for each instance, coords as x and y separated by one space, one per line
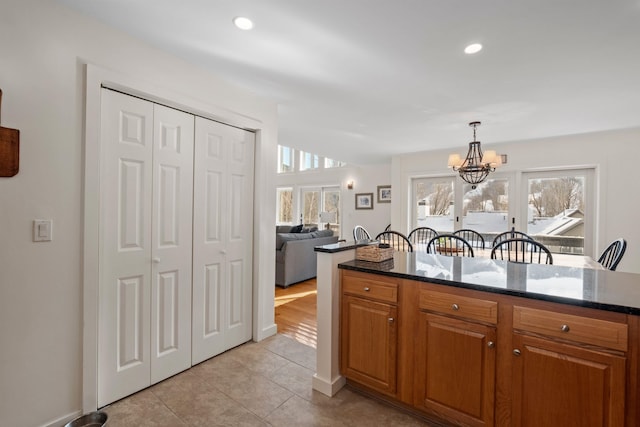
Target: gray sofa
295 256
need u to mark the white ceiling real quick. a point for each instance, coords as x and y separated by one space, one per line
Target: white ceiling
362 80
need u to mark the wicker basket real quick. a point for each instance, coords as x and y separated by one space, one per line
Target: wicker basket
448 250
373 253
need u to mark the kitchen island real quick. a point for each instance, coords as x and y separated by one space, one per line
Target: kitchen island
481 342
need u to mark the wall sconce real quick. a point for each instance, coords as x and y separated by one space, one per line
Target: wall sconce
350 185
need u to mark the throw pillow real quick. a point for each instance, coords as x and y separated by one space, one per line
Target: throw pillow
296 229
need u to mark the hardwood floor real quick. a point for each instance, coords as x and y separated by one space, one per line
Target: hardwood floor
295 312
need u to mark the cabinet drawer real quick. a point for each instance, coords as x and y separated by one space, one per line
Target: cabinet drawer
370 288
455 305
602 333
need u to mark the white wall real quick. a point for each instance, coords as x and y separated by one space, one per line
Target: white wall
614 154
366 179
44 48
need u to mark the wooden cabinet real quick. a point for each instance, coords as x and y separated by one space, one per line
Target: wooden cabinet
369 329
571 366
481 359
456 358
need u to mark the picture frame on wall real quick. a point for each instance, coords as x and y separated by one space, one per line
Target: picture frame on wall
384 194
364 201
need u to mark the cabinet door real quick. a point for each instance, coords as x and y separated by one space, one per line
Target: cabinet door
556 384
455 369
369 343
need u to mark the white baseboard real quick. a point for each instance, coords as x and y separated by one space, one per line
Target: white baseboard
266 332
63 420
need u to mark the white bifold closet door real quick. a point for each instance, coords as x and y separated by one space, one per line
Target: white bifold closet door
146 179
223 232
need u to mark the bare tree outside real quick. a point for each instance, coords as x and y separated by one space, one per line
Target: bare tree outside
438 196
440 199
310 205
553 196
490 195
285 205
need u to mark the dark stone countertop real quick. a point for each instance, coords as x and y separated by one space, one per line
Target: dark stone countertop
342 246
599 289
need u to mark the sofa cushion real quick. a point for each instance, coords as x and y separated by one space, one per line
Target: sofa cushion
283 228
322 233
282 238
296 229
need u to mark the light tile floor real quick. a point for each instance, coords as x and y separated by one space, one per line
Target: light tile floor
256 384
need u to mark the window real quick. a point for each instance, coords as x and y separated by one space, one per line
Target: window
285 159
554 207
310 206
308 161
284 206
330 163
433 203
316 200
559 210
485 209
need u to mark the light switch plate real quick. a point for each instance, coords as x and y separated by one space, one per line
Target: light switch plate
42 230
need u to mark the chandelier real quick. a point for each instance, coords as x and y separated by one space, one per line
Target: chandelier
476 166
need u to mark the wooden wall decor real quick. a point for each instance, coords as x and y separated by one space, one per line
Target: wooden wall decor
9 149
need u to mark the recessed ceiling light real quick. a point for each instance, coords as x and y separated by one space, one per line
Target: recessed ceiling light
243 23
473 48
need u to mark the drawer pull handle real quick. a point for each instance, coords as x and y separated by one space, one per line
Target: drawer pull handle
565 328
456 307
491 344
390 319
516 352
366 289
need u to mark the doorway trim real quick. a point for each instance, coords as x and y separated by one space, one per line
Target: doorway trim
264 206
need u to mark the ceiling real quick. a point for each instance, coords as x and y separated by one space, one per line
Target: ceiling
363 80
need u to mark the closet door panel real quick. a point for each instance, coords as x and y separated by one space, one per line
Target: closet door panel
125 250
223 218
172 242
241 145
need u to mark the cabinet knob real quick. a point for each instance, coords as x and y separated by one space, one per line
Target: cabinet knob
390 319
156 260
223 252
516 352
456 307
491 344
366 289
565 328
